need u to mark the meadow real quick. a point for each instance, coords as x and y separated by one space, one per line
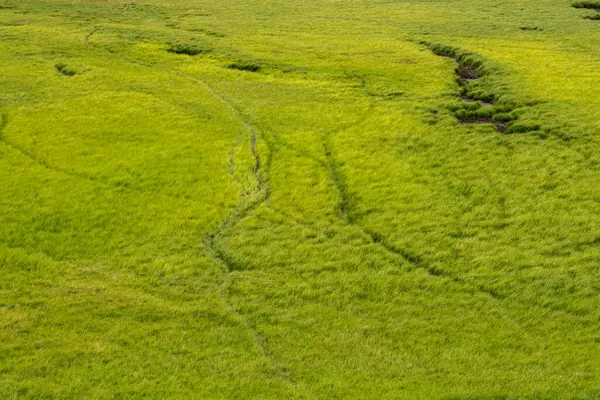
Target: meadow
315 199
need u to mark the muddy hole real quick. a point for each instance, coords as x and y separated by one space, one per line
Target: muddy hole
477 106
466 72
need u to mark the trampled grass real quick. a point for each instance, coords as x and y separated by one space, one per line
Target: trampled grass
291 199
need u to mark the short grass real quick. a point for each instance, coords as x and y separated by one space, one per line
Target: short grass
275 199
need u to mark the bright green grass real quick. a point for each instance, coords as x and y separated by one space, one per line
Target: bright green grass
177 226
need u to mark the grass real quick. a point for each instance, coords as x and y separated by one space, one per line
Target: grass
243 66
65 69
190 50
326 228
587 4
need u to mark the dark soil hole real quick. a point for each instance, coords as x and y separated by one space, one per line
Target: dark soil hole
190 50
530 28
242 66
467 72
479 106
502 127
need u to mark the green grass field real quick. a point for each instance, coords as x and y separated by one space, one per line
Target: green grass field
299 199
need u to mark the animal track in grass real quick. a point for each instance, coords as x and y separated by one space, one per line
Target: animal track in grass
346 213
90 34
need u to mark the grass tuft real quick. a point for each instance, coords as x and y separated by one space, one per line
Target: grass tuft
520 127
590 5
243 66
503 117
187 49
65 69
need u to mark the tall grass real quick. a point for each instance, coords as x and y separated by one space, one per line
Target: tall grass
174 226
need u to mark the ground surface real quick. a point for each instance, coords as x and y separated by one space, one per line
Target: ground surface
292 209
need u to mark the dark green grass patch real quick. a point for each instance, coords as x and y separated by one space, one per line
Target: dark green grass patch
520 127
311 234
187 49
245 66
590 5
65 69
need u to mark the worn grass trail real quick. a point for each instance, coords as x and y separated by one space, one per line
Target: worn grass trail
289 200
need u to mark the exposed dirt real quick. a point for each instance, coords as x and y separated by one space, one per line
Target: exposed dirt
466 72
477 106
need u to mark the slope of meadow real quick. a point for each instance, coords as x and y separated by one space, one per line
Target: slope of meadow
299 199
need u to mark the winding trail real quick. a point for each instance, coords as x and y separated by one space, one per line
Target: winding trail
261 194
247 204
346 214
249 201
